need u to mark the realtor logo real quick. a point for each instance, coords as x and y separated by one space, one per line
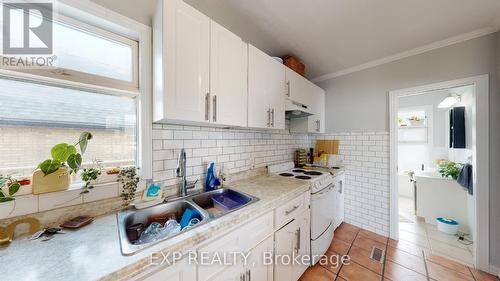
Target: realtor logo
27 28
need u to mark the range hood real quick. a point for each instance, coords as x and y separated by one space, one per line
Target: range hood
296 110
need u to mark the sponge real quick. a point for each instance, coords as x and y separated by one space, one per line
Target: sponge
186 217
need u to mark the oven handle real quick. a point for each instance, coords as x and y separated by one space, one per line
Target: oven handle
326 190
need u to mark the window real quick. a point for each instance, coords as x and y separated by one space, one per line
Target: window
87 54
43 109
34 117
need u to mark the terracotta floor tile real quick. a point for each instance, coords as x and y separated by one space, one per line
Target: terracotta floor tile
441 273
332 261
349 227
396 272
407 247
373 236
345 235
317 273
483 276
367 243
339 246
362 257
453 265
407 260
356 272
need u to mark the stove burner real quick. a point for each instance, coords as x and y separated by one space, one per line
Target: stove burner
298 171
313 173
303 177
286 175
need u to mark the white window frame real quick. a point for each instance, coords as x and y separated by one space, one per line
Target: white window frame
88 78
92 15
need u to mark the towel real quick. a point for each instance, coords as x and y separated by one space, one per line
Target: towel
465 178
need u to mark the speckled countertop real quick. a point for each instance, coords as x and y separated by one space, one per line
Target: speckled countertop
93 252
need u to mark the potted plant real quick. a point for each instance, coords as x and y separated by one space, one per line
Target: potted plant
450 169
8 187
89 177
416 121
129 180
54 174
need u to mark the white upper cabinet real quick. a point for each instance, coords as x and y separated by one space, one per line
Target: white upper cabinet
200 68
228 77
296 87
266 91
181 63
315 123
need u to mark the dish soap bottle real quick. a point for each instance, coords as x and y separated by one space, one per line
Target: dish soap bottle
212 181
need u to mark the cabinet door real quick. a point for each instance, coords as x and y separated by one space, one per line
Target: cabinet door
257 269
181 271
228 77
296 87
230 273
303 241
186 35
276 93
284 242
258 89
316 122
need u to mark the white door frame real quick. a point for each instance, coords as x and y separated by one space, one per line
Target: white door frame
480 162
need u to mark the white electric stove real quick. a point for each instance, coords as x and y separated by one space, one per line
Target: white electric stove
324 203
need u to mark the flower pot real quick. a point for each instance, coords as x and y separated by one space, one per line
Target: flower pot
57 181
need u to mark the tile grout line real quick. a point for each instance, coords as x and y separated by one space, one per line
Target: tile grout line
385 259
472 274
427 275
342 264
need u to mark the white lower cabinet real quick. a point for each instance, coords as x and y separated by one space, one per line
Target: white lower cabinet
262 247
291 241
181 271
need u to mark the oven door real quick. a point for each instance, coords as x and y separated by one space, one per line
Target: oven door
322 210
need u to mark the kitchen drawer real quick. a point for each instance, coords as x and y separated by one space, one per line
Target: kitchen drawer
241 239
287 212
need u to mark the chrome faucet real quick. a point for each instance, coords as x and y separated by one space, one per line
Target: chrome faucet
184 185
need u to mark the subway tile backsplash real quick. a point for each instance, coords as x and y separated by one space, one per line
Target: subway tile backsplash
366 161
233 150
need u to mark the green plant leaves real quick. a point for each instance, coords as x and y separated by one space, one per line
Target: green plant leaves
62 151
83 141
49 166
6 199
75 161
13 188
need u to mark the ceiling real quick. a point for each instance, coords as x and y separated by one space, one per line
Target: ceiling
333 35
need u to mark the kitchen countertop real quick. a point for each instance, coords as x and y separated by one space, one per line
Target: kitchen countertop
93 252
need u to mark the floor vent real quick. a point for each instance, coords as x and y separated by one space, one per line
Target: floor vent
377 254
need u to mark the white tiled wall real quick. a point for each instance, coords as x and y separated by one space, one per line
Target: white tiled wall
366 159
233 150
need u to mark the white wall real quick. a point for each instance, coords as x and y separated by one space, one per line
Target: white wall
359 101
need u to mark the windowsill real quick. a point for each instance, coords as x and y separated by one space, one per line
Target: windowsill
28 203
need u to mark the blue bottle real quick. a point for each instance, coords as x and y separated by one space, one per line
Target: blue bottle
211 182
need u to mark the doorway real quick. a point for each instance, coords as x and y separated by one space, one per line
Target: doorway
427 151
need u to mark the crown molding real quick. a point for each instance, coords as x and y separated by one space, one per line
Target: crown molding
436 45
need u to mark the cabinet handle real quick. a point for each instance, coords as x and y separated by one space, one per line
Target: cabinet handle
291 210
272 118
242 277
214 110
207 98
297 249
318 125
249 275
288 88
269 117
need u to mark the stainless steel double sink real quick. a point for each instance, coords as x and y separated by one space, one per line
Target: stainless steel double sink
131 221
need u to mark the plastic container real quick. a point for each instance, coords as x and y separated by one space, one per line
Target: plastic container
447 226
226 202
